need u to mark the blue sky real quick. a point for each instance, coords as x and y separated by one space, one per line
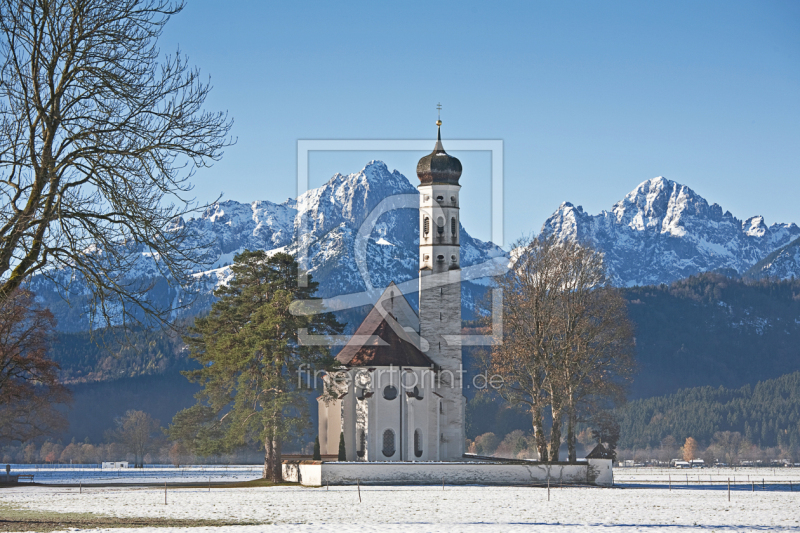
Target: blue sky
590 98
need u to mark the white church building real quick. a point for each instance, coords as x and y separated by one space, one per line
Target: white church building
399 394
397 400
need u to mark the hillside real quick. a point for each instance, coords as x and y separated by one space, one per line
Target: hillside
713 330
767 415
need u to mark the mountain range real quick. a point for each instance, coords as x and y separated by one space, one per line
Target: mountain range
660 232
663 231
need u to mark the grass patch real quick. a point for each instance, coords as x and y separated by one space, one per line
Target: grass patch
12 519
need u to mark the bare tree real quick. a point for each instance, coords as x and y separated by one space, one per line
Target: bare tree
139 433
530 297
567 341
29 387
98 139
729 444
593 357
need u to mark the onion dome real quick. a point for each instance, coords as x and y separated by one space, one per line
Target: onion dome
438 166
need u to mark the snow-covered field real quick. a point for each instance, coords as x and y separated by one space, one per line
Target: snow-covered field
636 505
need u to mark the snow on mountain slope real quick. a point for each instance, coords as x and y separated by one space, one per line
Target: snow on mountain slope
322 225
783 263
663 231
320 228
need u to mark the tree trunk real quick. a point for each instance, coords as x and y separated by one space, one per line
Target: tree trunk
555 434
538 432
573 454
273 468
268 460
277 466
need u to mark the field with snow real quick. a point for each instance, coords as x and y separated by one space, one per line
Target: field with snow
641 501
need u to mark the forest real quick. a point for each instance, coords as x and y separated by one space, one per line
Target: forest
766 415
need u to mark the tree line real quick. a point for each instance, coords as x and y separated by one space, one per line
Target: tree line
766 415
135 437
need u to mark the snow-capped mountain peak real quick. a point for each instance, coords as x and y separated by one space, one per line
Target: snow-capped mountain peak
663 231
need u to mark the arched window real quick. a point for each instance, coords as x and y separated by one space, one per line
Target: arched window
453 225
417 443
440 225
426 225
388 443
416 393
390 392
362 443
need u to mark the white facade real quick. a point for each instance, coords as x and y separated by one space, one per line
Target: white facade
385 413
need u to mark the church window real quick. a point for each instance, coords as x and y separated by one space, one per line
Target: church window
426 257
440 225
415 393
453 258
426 225
453 225
390 392
417 443
362 443
440 257
453 199
388 443
439 198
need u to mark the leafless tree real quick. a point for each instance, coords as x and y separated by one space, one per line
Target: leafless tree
729 444
593 356
567 341
529 325
29 389
99 136
139 433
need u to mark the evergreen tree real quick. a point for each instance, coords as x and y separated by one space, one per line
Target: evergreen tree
250 357
342 452
317 455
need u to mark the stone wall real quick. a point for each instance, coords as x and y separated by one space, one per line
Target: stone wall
316 473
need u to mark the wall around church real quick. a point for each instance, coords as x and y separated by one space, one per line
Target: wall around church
314 473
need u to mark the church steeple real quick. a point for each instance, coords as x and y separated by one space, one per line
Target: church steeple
439 166
440 287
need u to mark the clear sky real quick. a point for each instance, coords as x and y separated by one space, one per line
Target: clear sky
590 98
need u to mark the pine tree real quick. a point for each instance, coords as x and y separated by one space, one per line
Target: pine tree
342 452
317 455
250 357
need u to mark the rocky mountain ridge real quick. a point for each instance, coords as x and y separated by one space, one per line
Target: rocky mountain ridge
663 231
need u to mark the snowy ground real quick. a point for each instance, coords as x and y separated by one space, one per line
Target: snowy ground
637 505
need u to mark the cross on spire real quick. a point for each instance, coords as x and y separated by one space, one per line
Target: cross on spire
439 113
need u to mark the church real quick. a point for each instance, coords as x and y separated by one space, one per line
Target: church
398 396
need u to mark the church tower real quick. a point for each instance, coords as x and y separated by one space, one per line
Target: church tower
440 289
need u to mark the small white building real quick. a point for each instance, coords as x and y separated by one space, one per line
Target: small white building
114 464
